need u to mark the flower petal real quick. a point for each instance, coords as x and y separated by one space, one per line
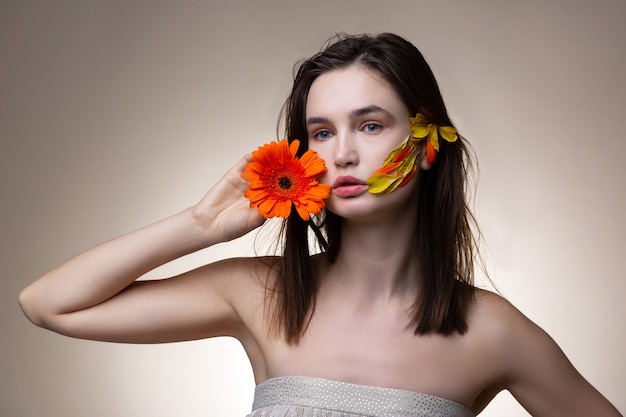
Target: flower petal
278 179
408 177
266 207
431 153
382 183
419 126
419 132
302 211
282 209
448 133
433 138
397 165
319 192
313 166
293 147
388 168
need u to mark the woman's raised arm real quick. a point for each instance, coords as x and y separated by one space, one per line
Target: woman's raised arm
95 294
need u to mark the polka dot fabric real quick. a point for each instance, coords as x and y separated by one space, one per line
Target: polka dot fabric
315 397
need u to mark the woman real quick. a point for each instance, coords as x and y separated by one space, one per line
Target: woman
383 318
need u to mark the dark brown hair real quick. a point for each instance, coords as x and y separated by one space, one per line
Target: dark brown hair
444 242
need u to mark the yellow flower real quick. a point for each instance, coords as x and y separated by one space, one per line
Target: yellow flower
397 170
422 129
279 180
400 165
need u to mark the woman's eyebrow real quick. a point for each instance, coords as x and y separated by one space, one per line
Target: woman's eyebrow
317 120
363 111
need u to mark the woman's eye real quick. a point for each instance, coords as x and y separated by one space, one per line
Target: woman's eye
372 127
322 135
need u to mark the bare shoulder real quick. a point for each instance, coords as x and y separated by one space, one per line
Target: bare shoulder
243 281
513 340
506 331
243 273
488 302
494 316
529 363
228 297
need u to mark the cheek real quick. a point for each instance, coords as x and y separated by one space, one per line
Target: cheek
318 146
374 161
323 154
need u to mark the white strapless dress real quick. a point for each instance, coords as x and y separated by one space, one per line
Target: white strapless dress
295 396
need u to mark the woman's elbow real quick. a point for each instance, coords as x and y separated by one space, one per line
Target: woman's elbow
32 307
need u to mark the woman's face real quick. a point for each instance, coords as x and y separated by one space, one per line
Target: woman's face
354 119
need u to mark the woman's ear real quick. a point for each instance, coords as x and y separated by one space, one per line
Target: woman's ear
424 164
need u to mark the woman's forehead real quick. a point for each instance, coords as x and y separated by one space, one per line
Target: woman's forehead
345 91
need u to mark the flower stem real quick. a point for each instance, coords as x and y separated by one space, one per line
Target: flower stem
318 233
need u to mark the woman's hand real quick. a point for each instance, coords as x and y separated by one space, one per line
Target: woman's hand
224 213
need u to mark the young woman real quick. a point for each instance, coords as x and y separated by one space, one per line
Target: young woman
382 319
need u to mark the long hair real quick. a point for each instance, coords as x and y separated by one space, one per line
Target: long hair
444 242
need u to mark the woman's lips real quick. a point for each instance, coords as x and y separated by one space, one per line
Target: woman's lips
348 186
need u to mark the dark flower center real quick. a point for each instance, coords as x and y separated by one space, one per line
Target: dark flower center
284 183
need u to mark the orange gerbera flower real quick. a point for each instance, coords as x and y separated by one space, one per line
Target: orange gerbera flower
279 180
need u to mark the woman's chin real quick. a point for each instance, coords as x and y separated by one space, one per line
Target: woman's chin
368 206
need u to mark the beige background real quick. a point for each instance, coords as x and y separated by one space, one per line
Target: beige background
114 114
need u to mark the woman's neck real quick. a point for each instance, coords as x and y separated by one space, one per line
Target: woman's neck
377 259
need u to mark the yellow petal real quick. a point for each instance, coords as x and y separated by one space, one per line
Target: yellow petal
418 120
448 133
399 163
408 177
394 153
407 165
434 139
419 126
381 183
419 132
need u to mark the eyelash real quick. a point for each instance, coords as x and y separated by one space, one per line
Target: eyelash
317 134
378 127
365 127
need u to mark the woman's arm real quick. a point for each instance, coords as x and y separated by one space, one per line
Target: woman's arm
537 372
95 296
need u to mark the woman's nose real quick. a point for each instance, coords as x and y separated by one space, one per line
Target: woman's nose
345 150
